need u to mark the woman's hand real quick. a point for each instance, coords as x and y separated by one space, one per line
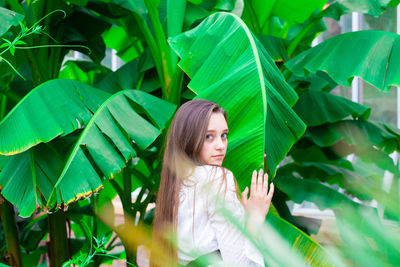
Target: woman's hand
257 205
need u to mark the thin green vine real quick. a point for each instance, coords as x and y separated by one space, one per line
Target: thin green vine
11 46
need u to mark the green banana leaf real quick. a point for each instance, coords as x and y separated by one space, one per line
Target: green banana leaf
112 137
313 82
372 55
229 66
372 7
314 254
28 178
361 184
257 13
44 114
274 46
312 190
355 132
379 158
316 108
8 18
305 151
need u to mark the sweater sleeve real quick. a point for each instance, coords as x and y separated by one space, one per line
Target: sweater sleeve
235 248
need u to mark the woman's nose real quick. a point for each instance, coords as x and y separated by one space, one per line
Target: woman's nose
220 144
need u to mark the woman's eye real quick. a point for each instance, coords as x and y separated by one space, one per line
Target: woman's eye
224 135
208 136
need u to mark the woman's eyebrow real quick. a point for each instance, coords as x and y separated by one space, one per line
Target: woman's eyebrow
212 130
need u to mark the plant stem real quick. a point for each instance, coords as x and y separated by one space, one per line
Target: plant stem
96 258
175 89
162 45
58 245
152 45
127 180
10 233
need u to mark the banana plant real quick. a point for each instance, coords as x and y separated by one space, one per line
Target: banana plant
263 107
111 120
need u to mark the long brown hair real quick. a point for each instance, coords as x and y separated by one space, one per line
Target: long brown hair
185 139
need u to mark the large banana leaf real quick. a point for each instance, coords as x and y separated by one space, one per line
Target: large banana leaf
372 55
112 137
314 254
314 191
28 179
360 183
229 66
316 108
55 108
355 132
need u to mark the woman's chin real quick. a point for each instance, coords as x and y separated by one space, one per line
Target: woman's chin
215 162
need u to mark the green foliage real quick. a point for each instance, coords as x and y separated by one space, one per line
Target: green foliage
316 108
66 139
371 55
50 104
110 139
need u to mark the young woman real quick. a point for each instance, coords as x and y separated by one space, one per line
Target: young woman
195 186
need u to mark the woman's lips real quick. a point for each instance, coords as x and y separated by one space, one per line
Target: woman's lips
218 156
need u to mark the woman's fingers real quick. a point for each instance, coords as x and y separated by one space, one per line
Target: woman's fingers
260 181
253 183
265 186
271 192
244 195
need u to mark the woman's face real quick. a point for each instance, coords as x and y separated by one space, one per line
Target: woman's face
215 140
